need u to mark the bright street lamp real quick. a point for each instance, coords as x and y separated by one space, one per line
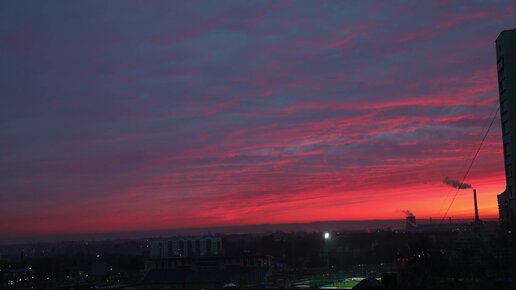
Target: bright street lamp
327 238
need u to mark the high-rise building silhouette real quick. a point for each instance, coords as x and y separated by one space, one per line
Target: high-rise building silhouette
506 67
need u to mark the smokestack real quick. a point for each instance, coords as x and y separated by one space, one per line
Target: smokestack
476 206
411 225
450 220
455 183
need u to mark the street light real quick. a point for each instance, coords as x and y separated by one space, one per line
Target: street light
327 238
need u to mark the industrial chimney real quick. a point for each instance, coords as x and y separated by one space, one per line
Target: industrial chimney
411 225
476 206
477 223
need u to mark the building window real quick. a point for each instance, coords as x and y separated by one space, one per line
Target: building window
506 128
181 248
198 247
170 249
208 247
503 107
189 248
499 64
507 149
502 85
508 170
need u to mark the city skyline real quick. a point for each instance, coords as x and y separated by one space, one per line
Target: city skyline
121 117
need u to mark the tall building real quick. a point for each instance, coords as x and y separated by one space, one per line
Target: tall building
186 247
188 262
506 67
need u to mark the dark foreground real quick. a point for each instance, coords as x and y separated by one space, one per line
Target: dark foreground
461 259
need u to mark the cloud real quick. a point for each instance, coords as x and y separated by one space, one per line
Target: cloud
236 112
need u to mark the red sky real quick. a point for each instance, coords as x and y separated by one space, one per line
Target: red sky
123 116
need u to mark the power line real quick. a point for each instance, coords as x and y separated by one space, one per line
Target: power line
472 150
471 164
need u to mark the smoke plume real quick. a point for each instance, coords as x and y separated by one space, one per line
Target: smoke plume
407 212
455 183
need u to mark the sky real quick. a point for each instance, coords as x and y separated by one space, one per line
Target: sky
137 115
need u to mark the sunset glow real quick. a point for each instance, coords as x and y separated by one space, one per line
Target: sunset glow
197 114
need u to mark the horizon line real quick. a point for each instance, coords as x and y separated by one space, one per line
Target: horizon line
188 231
